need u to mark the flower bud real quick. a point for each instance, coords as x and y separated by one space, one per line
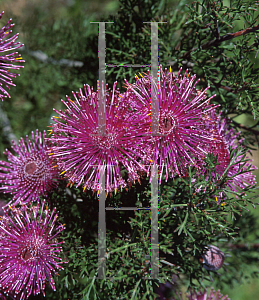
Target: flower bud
213 258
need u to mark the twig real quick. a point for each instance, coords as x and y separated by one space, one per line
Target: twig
6 127
246 246
184 62
44 58
177 47
229 89
140 9
256 132
250 129
223 38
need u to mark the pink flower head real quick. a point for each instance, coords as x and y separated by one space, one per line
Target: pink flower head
213 258
181 118
79 148
211 295
29 248
224 137
31 173
6 60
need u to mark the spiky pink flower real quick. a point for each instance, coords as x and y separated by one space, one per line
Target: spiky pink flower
224 138
7 59
31 173
211 295
181 117
213 258
29 250
79 148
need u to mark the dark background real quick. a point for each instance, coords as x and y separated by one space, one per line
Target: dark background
49 26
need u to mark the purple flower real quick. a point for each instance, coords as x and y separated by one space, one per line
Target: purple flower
80 149
211 295
6 60
29 250
31 173
182 111
224 138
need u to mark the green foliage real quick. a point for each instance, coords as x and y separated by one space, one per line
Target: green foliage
198 36
189 220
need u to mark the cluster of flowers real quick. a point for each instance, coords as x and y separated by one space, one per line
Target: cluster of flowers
89 139
188 129
29 233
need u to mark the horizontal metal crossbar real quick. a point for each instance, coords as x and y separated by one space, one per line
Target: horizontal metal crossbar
126 208
127 65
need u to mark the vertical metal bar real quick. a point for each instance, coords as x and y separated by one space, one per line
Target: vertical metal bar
102 226
154 169
101 86
154 224
102 132
102 83
154 81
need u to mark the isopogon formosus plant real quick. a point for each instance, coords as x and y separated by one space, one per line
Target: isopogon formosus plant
204 176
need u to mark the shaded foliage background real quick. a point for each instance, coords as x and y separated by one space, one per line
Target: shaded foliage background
191 38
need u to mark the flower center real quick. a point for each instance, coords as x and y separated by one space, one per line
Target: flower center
32 248
26 255
105 142
166 123
30 168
